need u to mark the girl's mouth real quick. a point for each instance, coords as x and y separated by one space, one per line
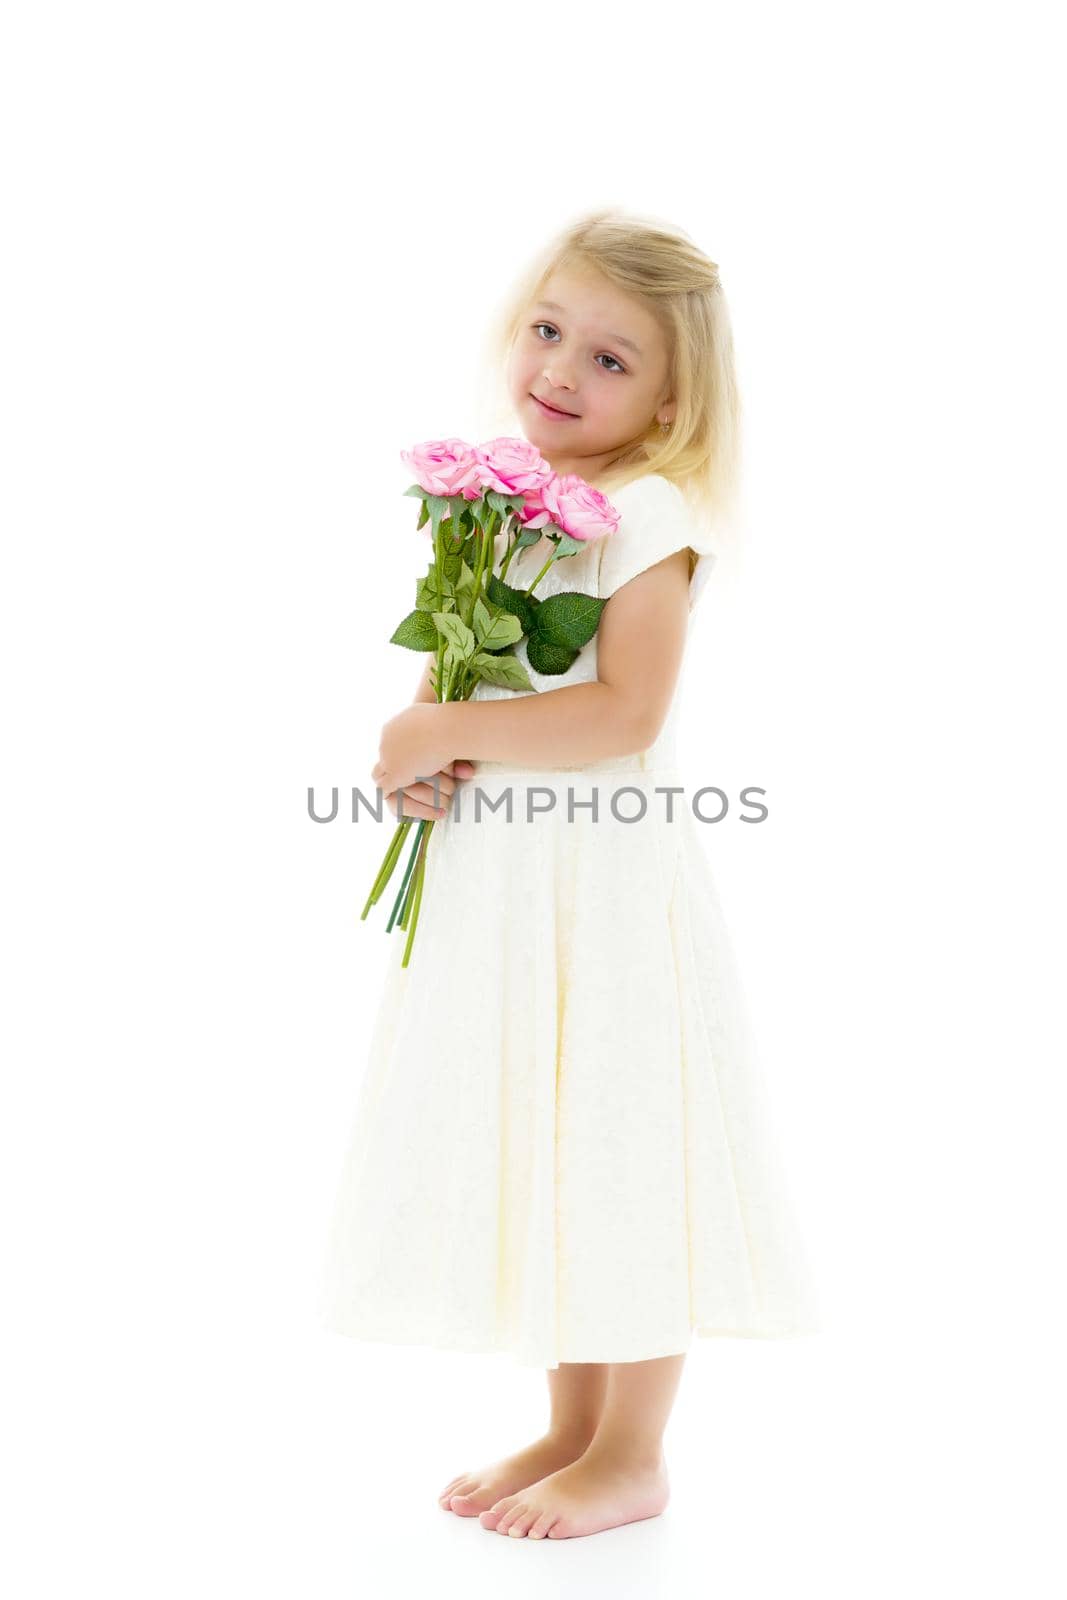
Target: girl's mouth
550 411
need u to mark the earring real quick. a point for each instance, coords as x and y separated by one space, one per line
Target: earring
664 427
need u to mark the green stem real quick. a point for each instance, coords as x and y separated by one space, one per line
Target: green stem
485 546
424 827
542 572
385 871
420 875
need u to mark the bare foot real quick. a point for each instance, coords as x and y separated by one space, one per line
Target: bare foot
473 1492
589 1495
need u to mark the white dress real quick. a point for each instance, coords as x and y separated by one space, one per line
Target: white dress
563 1148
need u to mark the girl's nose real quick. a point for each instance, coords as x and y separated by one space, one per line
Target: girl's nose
557 378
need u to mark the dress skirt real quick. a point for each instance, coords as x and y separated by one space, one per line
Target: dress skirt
563 1148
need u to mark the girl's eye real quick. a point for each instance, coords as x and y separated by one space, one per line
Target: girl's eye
618 367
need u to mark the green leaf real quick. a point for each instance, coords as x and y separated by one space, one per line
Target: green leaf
428 599
451 657
456 633
480 619
464 578
427 595
507 672
452 541
514 601
569 619
416 632
496 631
548 658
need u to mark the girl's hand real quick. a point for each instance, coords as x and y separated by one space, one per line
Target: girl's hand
412 747
418 798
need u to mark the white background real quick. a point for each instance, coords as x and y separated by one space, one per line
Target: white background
250 255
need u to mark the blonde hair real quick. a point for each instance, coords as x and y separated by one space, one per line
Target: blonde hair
662 267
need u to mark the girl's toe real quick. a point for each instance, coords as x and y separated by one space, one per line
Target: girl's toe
490 1518
510 1516
541 1526
464 1505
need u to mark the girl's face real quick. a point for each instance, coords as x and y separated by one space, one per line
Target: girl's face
596 353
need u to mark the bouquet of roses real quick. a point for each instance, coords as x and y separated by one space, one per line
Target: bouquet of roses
465 610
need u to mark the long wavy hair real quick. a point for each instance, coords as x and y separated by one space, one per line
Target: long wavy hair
664 269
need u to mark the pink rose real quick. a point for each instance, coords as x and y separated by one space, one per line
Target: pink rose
577 508
533 513
512 466
445 467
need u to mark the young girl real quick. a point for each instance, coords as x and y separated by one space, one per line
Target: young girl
563 1148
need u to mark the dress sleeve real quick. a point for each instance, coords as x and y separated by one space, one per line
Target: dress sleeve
655 520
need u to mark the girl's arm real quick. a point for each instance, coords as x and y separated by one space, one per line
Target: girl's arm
640 646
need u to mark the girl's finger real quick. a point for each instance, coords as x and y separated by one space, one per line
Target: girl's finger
425 791
414 808
418 802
